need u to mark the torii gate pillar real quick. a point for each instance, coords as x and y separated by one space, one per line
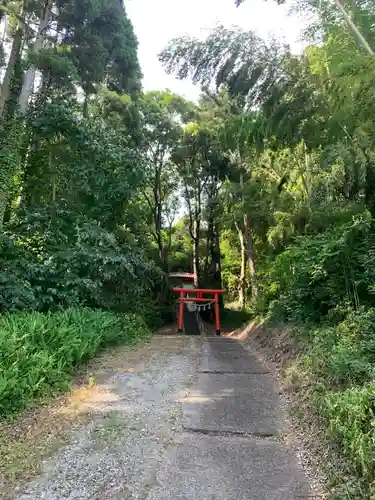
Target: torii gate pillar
198 296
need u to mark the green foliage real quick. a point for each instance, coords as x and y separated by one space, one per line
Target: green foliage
110 45
274 168
319 272
303 176
237 58
232 319
338 365
326 280
82 162
39 352
351 422
57 259
162 115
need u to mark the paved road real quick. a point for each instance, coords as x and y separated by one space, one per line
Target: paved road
181 418
230 448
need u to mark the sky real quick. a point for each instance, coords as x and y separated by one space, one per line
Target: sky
158 21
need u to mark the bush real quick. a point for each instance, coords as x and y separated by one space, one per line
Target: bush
53 259
39 352
320 272
347 401
342 355
150 312
324 284
351 422
337 361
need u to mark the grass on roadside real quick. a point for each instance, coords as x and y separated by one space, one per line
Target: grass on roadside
39 353
31 436
329 373
232 318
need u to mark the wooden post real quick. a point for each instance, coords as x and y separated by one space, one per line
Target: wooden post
217 314
181 312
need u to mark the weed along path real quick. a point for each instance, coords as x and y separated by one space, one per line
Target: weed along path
180 418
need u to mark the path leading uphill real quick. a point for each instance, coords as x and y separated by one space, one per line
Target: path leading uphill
181 418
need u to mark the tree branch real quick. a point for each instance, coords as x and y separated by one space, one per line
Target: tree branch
19 17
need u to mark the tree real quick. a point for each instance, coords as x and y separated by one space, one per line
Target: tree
354 28
29 76
102 45
202 168
247 67
162 115
61 38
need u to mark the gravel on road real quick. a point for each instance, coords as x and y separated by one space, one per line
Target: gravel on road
133 422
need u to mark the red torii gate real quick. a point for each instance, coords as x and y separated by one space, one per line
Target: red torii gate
198 297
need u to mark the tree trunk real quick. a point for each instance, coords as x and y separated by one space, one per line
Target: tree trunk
158 230
206 270
215 268
196 251
250 256
85 107
29 77
158 209
14 56
168 247
8 165
217 263
242 280
248 242
209 268
356 32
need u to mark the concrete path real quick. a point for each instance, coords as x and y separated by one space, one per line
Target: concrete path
181 418
232 421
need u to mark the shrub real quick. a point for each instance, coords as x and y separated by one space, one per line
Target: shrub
320 272
56 259
343 355
39 352
351 422
324 284
338 362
